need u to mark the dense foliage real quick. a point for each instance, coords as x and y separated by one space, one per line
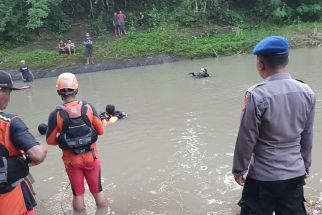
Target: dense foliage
22 19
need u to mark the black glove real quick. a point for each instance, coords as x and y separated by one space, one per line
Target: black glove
120 114
102 116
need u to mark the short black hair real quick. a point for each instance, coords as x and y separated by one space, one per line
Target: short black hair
42 128
110 109
275 60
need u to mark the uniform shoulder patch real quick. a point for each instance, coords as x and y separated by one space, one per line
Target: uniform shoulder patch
246 99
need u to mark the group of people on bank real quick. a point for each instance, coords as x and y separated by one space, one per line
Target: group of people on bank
66 48
118 22
70 48
273 147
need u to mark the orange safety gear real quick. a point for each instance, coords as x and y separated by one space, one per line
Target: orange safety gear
67 81
78 134
55 127
18 199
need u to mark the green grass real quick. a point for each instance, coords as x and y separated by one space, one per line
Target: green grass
171 41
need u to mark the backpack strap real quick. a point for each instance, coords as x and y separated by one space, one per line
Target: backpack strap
65 117
84 115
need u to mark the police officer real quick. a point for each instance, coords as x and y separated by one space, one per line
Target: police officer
274 141
18 148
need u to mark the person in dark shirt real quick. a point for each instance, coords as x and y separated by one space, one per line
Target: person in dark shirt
110 116
140 19
202 74
88 43
25 72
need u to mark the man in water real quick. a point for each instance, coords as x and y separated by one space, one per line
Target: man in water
110 116
25 72
18 151
75 127
274 141
202 74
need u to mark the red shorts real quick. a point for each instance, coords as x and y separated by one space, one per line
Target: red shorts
32 212
89 171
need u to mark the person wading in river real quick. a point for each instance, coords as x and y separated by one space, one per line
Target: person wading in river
18 151
74 127
274 141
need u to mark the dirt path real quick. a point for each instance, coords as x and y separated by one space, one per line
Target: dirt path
76 33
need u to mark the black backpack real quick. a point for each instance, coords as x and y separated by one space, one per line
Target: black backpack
78 133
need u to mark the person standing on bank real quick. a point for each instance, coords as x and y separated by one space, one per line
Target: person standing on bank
88 43
274 141
121 17
25 72
74 127
18 151
116 25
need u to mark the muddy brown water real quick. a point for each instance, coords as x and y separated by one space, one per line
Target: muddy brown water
173 154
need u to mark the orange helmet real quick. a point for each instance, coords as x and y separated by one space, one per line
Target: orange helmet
67 81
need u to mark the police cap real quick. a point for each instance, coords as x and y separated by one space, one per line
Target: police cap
272 45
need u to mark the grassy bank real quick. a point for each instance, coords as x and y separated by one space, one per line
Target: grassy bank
195 43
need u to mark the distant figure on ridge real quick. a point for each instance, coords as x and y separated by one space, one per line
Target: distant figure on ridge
121 17
140 19
116 25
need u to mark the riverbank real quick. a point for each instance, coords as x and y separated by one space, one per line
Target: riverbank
155 46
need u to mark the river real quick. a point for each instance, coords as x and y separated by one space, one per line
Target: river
173 155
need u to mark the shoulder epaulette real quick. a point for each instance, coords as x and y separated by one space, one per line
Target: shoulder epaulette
255 86
300 81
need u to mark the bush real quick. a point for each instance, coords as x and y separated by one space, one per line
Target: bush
156 18
309 12
99 25
58 22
